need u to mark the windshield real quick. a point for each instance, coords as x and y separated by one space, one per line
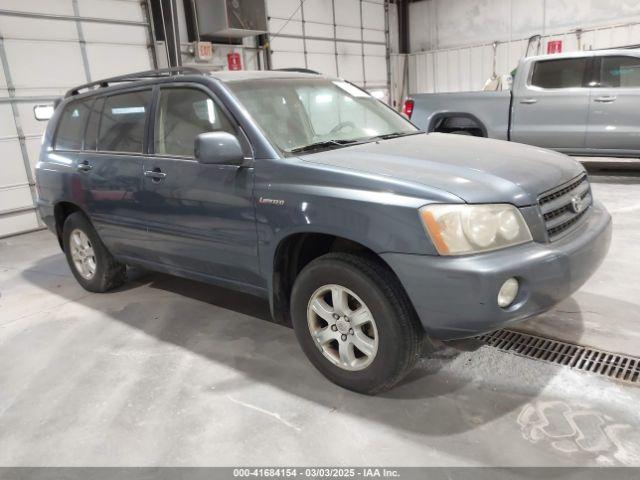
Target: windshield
300 114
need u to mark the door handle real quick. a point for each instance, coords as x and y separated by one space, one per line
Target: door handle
605 99
84 166
156 174
529 101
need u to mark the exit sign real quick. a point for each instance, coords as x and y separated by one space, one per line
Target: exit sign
203 51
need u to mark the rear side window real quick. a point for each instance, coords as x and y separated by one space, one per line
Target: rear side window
620 72
562 73
123 122
71 127
183 114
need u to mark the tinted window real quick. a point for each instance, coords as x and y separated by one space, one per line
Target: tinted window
564 73
123 121
183 114
71 126
620 72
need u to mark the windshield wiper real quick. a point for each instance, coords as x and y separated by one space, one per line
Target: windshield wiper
396 135
323 144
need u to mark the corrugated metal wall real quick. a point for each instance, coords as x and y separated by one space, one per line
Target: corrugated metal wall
345 38
468 68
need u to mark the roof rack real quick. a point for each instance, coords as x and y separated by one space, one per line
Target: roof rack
130 77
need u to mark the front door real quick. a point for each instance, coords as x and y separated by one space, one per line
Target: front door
614 123
200 218
550 107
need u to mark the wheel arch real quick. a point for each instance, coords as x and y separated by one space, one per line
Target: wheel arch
471 120
61 212
297 250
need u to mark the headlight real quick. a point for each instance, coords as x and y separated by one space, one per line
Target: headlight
459 229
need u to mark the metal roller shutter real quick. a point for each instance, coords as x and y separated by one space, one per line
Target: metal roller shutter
46 47
345 38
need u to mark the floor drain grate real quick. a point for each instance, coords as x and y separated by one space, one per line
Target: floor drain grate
613 365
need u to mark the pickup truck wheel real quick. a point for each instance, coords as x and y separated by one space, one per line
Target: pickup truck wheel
354 322
90 262
462 132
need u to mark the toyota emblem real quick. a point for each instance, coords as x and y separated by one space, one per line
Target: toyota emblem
576 204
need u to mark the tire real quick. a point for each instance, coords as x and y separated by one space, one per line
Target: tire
395 325
107 273
462 132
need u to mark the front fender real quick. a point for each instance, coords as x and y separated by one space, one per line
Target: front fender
298 197
380 221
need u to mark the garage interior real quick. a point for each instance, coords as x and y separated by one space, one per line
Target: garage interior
170 372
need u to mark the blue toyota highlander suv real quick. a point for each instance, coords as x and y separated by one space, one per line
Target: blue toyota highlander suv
366 234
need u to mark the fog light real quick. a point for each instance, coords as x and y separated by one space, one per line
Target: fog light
508 292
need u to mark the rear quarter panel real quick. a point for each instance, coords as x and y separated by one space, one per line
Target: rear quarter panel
56 175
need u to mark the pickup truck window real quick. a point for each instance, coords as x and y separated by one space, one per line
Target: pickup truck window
561 73
183 114
71 126
304 112
123 122
619 72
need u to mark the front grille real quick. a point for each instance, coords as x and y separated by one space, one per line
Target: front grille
557 206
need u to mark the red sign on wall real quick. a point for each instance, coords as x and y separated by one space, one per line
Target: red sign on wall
233 61
554 46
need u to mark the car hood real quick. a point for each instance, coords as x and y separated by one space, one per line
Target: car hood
477 170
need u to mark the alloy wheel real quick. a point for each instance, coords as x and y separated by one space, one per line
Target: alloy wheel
343 327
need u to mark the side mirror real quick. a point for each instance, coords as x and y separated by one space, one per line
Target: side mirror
220 148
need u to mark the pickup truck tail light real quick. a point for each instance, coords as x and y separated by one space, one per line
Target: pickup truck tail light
407 108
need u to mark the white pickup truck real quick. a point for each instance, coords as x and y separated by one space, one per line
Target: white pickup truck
582 103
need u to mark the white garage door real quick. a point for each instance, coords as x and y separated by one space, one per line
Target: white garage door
345 38
47 47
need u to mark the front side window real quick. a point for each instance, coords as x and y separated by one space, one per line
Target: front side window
71 128
296 113
123 122
183 114
619 72
561 73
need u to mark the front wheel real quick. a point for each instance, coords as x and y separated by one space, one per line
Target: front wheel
354 322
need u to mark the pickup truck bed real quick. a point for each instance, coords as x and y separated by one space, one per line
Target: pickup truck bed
582 103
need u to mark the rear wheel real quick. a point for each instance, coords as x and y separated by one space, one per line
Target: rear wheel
463 132
354 322
90 262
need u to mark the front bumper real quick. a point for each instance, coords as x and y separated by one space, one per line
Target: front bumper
455 297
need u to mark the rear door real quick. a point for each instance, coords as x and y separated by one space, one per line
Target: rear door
201 218
614 123
551 106
111 169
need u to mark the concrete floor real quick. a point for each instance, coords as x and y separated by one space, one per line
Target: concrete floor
171 372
